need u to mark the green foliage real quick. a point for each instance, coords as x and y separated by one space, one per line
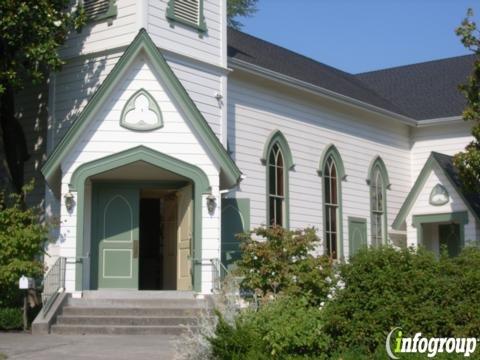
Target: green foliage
31 32
242 8
11 319
282 263
288 328
22 236
378 289
468 161
411 289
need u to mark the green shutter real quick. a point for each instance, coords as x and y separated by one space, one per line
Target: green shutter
357 234
235 220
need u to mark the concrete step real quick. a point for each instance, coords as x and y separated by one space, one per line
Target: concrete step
137 294
138 303
132 311
62 329
125 320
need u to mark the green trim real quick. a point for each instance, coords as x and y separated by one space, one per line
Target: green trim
418 186
276 137
139 153
110 13
152 105
460 217
201 26
377 162
332 151
143 43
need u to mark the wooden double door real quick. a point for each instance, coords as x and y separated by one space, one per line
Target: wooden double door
118 231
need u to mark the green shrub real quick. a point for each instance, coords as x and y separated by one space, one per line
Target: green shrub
11 318
22 236
282 263
288 328
386 288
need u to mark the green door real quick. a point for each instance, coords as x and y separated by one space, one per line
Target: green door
357 234
449 235
115 236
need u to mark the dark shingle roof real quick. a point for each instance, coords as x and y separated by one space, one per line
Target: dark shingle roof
446 163
420 91
258 52
424 91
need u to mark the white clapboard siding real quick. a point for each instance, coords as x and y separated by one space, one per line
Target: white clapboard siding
103 35
173 36
256 110
105 136
80 78
422 206
446 139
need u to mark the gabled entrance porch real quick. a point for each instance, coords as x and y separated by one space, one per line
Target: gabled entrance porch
109 222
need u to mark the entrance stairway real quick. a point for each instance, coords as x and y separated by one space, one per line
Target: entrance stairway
130 312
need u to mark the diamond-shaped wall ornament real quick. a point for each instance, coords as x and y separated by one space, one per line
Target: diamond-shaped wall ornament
141 112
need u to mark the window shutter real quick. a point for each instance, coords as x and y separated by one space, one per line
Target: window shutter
188 12
95 9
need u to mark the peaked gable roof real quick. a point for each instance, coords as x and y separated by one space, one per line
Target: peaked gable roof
420 91
445 163
143 42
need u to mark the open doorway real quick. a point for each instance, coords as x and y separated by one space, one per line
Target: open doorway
158 224
165 226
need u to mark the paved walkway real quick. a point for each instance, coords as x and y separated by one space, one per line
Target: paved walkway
92 347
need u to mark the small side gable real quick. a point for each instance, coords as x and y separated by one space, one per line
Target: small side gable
435 159
143 43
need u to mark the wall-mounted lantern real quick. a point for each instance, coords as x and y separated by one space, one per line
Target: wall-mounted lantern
211 204
69 201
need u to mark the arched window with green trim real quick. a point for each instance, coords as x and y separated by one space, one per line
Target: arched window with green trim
277 158
379 183
333 173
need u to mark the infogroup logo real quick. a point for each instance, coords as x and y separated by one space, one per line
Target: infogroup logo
429 346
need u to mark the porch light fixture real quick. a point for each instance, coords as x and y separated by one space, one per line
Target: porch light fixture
69 201
211 204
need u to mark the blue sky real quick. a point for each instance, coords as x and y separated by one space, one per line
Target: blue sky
363 35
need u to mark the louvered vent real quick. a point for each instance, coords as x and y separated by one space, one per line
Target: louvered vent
187 10
95 8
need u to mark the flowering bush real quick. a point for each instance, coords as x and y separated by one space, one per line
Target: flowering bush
283 262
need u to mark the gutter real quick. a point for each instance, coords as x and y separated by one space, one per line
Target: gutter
318 90
439 121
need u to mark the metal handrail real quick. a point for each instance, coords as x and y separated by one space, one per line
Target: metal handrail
53 283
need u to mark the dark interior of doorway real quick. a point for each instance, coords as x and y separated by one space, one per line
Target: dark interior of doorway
151 244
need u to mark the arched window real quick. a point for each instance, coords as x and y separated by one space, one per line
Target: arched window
333 173
278 161
276 186
378 181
